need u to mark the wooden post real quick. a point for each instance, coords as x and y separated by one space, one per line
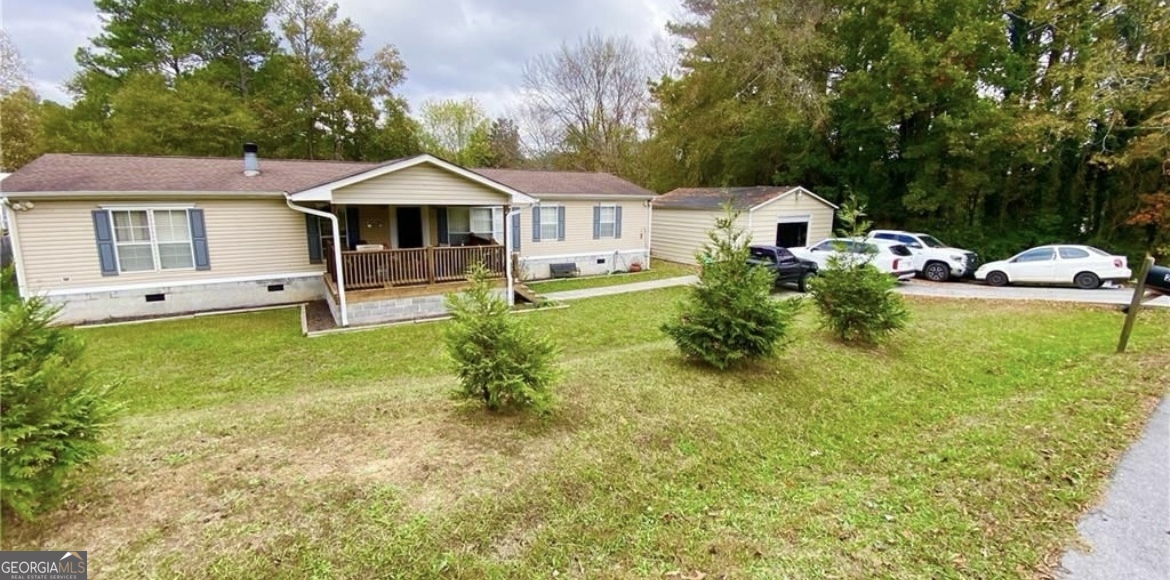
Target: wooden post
1135 304
431 264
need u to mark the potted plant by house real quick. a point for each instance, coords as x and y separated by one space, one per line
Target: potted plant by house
635 267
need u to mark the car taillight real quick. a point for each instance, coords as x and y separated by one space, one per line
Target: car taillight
1118 262
895 263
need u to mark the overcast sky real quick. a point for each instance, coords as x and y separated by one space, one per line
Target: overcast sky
454 48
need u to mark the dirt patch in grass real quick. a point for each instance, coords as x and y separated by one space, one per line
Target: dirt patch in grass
185 487
318 317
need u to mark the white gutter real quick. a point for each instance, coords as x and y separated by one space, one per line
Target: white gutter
17 257
336 254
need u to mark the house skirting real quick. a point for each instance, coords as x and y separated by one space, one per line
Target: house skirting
170 300
411 303
588 264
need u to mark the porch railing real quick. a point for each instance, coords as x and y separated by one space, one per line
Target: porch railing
416 266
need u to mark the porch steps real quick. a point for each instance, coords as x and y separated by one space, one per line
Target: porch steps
526 293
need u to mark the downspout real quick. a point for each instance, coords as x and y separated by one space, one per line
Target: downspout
17 257
511 241
336 254
649 229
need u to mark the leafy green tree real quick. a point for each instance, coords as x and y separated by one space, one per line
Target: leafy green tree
857 301
20 129
499 359
457 131
54 416
729 317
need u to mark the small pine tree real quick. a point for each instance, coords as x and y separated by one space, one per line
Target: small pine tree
53 419
499 359
857 301
730 315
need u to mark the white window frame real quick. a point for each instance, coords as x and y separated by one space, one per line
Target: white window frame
555 222
153 242
601 223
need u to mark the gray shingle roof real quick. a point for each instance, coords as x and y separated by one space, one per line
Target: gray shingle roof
563 182
68 172
741 198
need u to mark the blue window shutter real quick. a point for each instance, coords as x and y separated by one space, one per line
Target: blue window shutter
199 239
617 222
536 223
561 223
352 227
516 232
597 222
313 231
441 221
104 235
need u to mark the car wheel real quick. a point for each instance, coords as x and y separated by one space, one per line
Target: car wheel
937 272
802 283
1087 281
997 278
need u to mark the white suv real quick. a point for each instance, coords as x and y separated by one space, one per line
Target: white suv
933 259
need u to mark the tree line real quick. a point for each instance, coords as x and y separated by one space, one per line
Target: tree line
997 124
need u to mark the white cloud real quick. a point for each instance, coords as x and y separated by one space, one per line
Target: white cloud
454 48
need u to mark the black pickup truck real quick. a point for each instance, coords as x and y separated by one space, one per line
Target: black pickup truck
788 268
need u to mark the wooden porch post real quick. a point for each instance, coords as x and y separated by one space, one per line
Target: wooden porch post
430 264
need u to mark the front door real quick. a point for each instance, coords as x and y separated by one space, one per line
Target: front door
410 233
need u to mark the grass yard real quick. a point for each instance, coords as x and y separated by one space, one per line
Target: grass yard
967 448
659 270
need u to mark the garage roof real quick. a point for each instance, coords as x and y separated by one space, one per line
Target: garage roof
741 198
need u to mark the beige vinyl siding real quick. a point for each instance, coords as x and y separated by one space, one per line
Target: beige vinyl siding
419 185
579 229
679 234
245 237
820 225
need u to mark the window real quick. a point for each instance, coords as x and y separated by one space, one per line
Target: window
1073 254
326 228
1037 255
482 222
549 222
148 240
607 223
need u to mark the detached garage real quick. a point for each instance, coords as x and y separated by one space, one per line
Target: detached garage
787 216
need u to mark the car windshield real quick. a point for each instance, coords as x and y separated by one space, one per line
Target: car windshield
931 241
1099 252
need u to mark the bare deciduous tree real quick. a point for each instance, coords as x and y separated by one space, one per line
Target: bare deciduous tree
586 104
13 73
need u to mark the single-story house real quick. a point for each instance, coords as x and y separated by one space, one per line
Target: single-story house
116 237
786 216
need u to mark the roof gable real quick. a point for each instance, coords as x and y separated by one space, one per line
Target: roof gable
324 191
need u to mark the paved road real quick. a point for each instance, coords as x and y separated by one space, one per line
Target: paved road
1118 296
1129 534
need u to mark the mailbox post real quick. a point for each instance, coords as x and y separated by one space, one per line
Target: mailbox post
1157 279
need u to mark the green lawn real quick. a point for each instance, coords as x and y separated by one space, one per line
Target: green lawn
659 270
966 448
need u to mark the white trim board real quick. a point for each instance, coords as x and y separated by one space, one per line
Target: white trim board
794 219
798 191
176 283
524 258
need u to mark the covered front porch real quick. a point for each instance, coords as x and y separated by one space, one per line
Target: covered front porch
396 239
